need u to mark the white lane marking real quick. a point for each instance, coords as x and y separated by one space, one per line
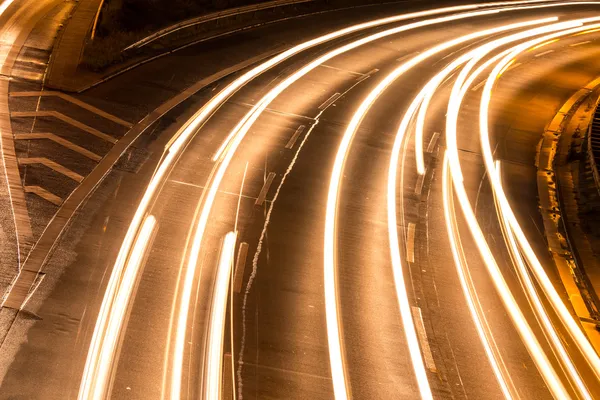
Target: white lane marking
419 185
237 211
367 75
220 191
330 101
290 144
341 69
265 189
410 243
478 86
422 334
580 43
239 267
544 53
433 142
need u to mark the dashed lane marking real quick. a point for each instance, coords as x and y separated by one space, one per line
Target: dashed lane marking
410 243
240 264
265 189
292 141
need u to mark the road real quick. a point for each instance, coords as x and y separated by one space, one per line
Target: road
145 324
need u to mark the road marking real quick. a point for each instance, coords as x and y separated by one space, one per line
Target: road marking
16 192
75 101
265 189
419 185
410 243
422 334
57 139
330 101
367 75
478 86
404 57
64 118
292 141
341 69
580 43
239 267
544 53
53 166
220 191
56 227
46 195
433 142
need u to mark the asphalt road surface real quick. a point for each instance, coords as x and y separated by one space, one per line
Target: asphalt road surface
143 325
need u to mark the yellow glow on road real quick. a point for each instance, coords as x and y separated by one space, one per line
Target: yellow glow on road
5 4
99 365
230 146
533 261
543 44
477 313
429 90
214 366
458 92
536 301
175 148
334 336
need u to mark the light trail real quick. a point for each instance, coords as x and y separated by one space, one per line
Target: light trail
214 367
175 147
334 336
232 143
98 372
507 213
458 92
184 135
427 93
535 300
468 287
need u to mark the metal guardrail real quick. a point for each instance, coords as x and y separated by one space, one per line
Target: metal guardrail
593 145
212 17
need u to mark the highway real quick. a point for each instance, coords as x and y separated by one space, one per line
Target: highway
353 215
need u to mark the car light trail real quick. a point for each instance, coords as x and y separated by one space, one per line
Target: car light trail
175 146
477 313
541 314
231 144
531 342
334 336
214 367
5 4
532 261
184 135
98 371
426 93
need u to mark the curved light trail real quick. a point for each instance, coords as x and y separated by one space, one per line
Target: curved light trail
232 143
223 156
334 338
507 213
214 365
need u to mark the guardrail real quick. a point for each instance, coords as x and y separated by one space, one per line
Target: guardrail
593 146
231 12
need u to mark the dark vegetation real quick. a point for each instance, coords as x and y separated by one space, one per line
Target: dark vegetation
122 22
